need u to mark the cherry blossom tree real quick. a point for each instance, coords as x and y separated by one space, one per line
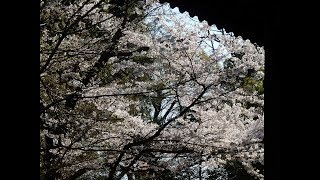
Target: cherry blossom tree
131 89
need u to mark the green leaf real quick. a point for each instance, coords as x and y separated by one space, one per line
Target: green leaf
203 55
142 59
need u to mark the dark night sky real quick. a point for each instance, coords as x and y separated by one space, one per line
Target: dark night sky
246 18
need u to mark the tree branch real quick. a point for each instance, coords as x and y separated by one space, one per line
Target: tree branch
65 33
